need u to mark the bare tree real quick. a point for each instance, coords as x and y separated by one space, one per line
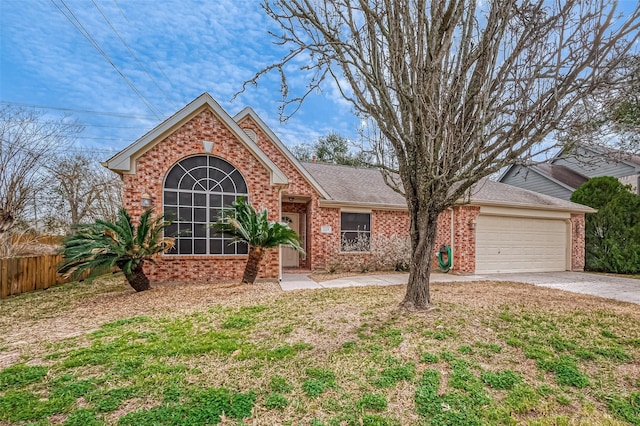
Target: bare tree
81 190
611 116
457 88
27 140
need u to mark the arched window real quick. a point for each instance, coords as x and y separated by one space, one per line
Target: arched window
195 191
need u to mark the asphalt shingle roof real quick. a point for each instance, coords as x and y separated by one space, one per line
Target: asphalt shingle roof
366 186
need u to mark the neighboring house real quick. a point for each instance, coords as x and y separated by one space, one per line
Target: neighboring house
567 171
200 159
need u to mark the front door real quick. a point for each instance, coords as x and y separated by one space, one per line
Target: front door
289 255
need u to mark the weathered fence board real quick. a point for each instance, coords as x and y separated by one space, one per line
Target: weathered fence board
24 274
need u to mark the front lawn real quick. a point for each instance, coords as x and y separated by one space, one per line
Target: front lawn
192 354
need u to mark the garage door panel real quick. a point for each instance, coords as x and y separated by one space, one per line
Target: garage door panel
512 244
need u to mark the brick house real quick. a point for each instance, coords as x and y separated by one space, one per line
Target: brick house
201 159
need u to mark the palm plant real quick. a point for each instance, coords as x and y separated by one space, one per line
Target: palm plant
119 244
245 224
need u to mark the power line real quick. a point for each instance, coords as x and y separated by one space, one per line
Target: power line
166 77
82 111
82 30
133 55
121 11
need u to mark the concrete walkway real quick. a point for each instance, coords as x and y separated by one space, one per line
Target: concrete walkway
622 289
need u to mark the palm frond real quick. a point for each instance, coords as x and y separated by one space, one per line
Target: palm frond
243 223
119 243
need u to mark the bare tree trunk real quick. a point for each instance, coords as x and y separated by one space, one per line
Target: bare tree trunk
424 227
253 264
138 280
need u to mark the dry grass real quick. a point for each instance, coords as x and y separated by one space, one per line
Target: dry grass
355 333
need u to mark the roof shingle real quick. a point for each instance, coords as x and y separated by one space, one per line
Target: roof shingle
352 185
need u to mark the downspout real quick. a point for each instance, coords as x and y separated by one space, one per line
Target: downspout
280 189
452 239
569 251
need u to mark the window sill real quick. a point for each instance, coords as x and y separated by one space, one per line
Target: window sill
203 256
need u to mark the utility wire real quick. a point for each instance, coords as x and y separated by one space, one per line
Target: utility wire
121 11
133 55
83 111
82 30
166 77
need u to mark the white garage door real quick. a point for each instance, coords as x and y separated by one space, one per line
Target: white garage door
515 244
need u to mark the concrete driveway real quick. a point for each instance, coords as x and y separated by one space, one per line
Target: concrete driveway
622 289
618 288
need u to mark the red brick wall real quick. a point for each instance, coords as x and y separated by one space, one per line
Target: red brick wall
464 251
152 167
577 242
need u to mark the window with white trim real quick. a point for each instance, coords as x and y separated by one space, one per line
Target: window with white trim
355 231
196 190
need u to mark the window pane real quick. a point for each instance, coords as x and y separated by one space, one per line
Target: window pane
171 230
228 186
219 163
193 162
228 200
185 199
355 221
215 177
354 241
216 246
187 183
241 186
214 214
243 248
215 200
200 230
185 229
185 214
199 246
199 173
173 177
185 246
200 200
199 215
229 247
170 198
171 213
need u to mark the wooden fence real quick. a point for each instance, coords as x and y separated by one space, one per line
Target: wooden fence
24 274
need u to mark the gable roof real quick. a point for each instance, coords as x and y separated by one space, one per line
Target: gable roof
248 111
352 186
124 161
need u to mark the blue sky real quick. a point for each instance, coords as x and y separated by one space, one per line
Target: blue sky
174 51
